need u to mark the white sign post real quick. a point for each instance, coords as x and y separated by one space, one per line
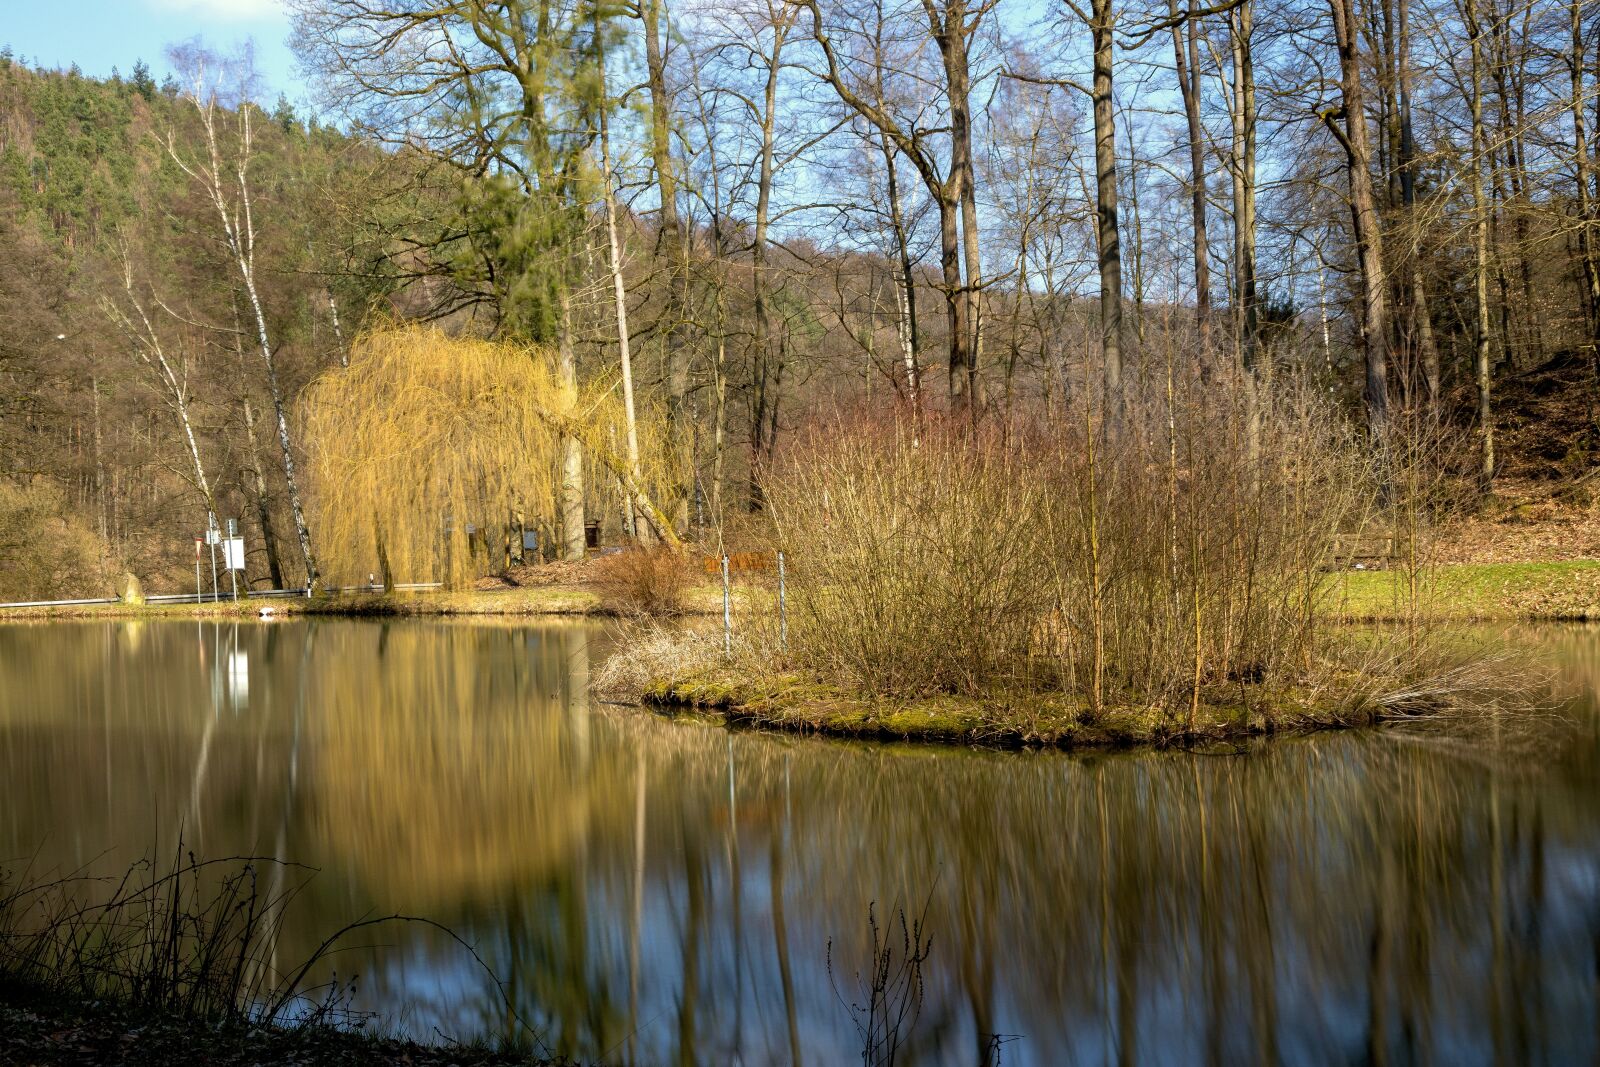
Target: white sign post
233 555
213 538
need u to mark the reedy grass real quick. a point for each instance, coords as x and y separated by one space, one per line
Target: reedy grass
188 940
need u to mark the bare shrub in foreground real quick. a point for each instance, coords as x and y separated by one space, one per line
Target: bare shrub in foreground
888 996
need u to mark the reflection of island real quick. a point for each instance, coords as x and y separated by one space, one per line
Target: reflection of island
653 890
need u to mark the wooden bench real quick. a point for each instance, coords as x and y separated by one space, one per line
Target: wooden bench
1376 549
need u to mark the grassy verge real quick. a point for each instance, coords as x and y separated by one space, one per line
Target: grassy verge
535 600
1475 592
1567 591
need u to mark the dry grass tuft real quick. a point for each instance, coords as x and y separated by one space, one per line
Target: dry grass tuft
649 653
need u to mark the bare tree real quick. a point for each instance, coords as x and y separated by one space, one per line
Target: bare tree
1348 123
952 25
672 240
225 184
618 287
1480 244
1186 63
168 371
1101 19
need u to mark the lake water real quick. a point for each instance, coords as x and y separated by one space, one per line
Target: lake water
659 891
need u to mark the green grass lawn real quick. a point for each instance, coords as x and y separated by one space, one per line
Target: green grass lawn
1474 591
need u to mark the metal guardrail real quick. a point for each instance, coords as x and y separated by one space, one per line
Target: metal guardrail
217 598
60 603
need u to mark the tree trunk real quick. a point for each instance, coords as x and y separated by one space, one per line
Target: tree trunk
338 330
719 429
1110 248
672 238
285 443
906 287
1244 184
1509 67
99 465
767 381
1480 210
1187 65
269 536
1427 349
1364 218
619 294
269 533
951 33
1584 167
572 485
955 303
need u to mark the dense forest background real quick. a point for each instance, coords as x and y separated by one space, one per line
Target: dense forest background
751 218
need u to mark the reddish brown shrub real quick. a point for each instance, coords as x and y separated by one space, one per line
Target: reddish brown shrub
642 581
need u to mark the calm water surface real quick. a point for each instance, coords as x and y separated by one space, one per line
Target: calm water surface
655 891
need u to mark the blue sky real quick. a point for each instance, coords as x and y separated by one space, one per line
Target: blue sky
100 34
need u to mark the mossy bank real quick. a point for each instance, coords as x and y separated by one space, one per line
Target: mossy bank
1020 719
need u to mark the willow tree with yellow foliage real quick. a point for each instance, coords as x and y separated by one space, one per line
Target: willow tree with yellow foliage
429 453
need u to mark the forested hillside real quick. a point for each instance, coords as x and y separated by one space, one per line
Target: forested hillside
120 327
725 225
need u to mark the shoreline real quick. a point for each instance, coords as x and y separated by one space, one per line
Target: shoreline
552 600
1561 591
1001 721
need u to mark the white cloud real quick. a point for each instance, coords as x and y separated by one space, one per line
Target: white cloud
235 10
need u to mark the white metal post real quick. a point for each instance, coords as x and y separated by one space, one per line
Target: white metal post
233 577
783 609
727 610
211 539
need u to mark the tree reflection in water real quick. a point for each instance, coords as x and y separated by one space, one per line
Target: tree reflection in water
653 891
